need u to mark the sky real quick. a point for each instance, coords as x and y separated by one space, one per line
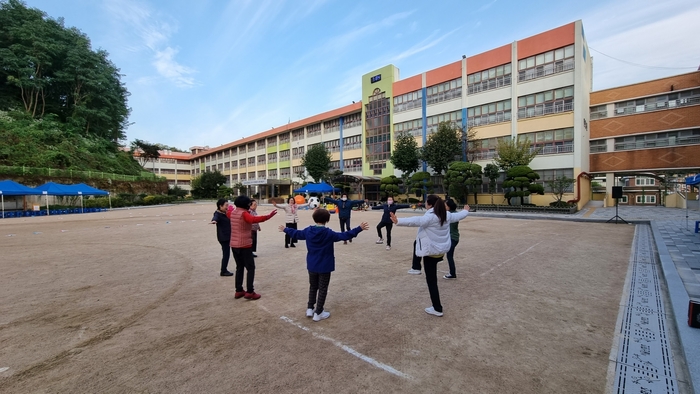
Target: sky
209 72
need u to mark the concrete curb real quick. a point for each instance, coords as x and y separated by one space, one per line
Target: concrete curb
689 337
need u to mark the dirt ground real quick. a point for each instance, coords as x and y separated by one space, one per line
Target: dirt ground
131 301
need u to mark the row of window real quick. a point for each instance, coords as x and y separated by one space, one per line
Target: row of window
653 140
489 113
547 63
550 142
492 78
653 103
639 199
545 103
454 117
407 101
444 91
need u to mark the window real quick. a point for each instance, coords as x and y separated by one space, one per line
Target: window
234 177
657 103
260 145
234 163
297 170
227 165
644 181
332 146
272 174
444 91
261 159
251 147
658 140
550 175
352 120
261 174
492 78
251 161
484 149
598 146
352 165
646 199
272 141
331 126
623 200
242 163
313 130
284 155
297 134
335 165
377 129
408 101
489 113
354 142
298 153
455 118
548 63
272 157
243 176
414 127
546 103
599 111
550 142
284 173
284 138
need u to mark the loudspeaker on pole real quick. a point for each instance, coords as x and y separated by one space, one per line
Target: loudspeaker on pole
617 192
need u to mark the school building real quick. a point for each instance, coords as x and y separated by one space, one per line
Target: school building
536 89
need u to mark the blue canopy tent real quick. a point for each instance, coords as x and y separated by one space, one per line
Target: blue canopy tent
322 187
693 180
86 190
11 188
55 189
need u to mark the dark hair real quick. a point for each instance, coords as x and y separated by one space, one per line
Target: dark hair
451 204
294 200
321 216
438 207
242 202
220 203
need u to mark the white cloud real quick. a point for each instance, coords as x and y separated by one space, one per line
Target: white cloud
145 31
422 46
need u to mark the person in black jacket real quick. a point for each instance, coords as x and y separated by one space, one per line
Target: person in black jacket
223 233
344 210
388 208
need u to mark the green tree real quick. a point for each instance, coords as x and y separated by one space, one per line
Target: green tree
177 191
420 182
558 187
146 152
317 162
513 153
207 185
240 188
389 186
406 156
442 147
224 192
492 172
520 178
463 178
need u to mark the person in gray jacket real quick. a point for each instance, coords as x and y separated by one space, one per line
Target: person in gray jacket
432 241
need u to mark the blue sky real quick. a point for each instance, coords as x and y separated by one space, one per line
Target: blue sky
208 72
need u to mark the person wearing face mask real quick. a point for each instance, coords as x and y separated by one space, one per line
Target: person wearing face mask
344 209
388 208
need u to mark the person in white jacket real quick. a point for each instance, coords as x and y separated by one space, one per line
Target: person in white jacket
432 241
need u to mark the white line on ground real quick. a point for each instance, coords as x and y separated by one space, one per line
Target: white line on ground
519 254
350 350
3 369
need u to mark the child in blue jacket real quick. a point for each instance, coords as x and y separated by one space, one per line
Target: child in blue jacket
320 259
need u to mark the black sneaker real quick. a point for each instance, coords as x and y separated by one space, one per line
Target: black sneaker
255 255
226 273
448 276
292 246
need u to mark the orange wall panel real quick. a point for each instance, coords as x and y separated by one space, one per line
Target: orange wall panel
643 159
543 42
658 86
646 122
444 73
488 59
408 85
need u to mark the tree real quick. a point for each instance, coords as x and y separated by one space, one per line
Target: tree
463 178
520 178
207 184
406 157
492 172
442 147
317 161
224 192
512 153
389 186
420 181
146 151
558 187
177 191
239 187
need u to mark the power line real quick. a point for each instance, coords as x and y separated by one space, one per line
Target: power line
641 65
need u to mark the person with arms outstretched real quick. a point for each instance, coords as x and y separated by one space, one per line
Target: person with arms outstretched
344 208
388 208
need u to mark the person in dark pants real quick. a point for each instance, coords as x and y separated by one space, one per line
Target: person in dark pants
454 237
242 245
320 259
223 233
432 242
388 208
256 226
291 219
344 210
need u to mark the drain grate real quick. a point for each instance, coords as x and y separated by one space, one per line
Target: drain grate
644 363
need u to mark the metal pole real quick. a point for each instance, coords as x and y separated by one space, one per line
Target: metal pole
2 196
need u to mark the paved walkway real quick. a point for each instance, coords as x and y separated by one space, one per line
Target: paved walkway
671 232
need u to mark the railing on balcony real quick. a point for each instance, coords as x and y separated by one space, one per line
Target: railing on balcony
490 84
658 106
407 105
546 69
444 96
544 109
481 120
657 143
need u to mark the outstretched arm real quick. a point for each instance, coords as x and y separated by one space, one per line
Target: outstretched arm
258 219
328 200
402 206
378 207
298 234
350 234
457 216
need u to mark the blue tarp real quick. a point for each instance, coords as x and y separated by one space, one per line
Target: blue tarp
322 187
693 180
56 189
86 190
11 188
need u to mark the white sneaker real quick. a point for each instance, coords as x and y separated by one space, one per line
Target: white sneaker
388 248
322 316
379 241
430 311
309 312
414 272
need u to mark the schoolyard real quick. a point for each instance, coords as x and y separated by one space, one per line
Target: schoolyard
131 301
